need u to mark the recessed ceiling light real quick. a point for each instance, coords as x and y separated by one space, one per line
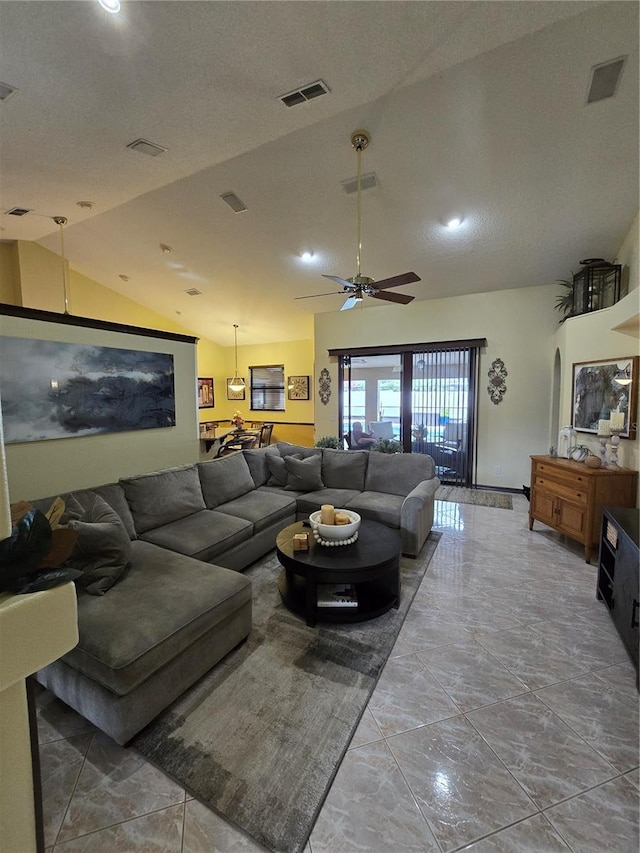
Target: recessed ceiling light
112 6
124 277
454 223
85 205
166 250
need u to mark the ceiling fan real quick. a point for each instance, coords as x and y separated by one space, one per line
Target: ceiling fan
359 286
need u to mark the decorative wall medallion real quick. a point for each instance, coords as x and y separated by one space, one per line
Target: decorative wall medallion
325 386
496 387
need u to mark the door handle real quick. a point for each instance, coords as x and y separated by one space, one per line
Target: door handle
634 613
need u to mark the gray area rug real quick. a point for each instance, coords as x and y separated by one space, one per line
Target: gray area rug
479 497
260 738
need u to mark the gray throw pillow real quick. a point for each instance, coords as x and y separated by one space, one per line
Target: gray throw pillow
277 469
103 549
304 475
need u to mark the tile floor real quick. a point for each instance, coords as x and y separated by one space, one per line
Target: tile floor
506 720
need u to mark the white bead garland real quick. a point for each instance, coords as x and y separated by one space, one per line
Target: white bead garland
333 542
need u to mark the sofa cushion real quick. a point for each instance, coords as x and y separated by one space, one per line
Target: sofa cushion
344 469
257 462
261 507
103 549
163 496
378 507
203 535
304 475
299 450
164 604
311 501
224 479
397 473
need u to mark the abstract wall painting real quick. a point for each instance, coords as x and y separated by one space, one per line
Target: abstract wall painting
61 390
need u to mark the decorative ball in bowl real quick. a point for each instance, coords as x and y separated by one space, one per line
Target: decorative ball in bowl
335 532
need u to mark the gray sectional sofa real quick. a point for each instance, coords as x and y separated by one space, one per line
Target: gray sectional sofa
182 603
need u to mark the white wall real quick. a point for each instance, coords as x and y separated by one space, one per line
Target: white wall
519 326
41 468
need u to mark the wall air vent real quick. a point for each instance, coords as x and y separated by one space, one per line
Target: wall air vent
6 91
18 211
305 93
366 183
146 147
605 79
193 291
234 202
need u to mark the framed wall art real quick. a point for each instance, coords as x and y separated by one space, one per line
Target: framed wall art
603 387
235 395
52 389
298 387
205 393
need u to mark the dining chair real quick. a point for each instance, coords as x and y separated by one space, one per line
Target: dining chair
265 435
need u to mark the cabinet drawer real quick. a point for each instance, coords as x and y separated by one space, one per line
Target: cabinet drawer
562 489
562 475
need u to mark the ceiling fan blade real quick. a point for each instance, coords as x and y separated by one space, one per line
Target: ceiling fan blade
351 302
313 295
402 298
348 284
397 280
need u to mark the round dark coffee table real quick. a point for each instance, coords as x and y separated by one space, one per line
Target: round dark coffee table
371 565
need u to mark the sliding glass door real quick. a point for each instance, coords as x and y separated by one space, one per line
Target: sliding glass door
422 395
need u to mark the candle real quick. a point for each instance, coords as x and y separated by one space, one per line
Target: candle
327 514
616 420
604 427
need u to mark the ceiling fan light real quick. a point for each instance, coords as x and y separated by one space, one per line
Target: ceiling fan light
112 6
306 256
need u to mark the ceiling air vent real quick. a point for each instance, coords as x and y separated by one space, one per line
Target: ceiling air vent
18 211
146 147
193 291
304 93
605 79
366 183
6 91
234 202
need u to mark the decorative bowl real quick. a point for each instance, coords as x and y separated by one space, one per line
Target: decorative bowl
335 532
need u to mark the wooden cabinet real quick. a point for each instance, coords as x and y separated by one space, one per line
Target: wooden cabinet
569 497
618 574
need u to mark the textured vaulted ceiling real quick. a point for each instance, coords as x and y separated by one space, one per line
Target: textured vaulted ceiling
476 109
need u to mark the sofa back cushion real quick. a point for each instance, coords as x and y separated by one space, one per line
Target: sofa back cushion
225 479
257 462
163 496
397 473
299 450
344 469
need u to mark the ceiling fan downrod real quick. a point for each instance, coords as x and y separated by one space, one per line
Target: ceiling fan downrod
359 141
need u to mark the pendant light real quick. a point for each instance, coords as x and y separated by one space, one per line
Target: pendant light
61 221
237 384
